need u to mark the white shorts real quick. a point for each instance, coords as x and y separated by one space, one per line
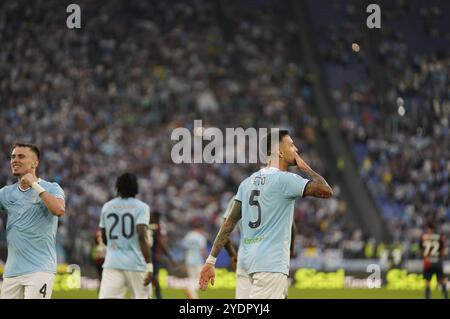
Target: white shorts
194 275
243 284
38 285
261 285
115 282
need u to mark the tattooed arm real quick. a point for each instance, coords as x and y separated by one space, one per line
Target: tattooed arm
226 229
317 186
208 271
293 253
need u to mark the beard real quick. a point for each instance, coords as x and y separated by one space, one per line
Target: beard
293 162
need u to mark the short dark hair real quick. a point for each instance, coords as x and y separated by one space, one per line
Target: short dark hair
281 135
127 185
32 147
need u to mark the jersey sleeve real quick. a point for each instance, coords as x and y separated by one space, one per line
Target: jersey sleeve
162 229
185 241
240 191
443 245
228 210
57 191
143 216
2 207
292 185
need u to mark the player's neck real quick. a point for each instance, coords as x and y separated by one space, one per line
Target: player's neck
23 186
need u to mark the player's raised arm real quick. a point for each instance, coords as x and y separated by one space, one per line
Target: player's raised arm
144 242
232 253
292 250
165 249
317 186
55 205
207 273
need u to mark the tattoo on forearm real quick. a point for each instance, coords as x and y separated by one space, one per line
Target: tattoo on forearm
316 177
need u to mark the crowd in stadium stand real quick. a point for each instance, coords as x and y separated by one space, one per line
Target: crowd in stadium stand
105 99
401 143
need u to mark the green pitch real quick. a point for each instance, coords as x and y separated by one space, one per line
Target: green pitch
293 294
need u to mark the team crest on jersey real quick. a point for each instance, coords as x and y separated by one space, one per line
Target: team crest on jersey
259 180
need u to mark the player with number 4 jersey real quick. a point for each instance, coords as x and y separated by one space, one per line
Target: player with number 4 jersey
124 223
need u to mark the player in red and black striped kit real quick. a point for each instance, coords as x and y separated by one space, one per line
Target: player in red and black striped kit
433 248
159 248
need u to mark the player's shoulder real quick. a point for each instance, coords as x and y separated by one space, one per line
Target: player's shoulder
247 179
275 173
111 202
251 177
199 236
141 204
7 191
191 234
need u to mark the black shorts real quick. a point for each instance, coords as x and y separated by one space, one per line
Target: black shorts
435 268
156 268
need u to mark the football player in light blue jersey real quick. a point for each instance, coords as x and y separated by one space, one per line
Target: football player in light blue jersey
243 285
265 203
124 224
195 244
33 206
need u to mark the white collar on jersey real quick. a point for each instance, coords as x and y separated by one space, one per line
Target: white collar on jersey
24 190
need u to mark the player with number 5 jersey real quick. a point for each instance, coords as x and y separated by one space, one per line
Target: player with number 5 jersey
268 198
124 223
434 250
265 204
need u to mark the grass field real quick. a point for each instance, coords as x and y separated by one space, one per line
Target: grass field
293 294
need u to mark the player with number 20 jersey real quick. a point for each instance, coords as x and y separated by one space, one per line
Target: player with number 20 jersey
124 222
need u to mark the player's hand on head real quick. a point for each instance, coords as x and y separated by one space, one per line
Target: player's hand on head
173 264
148 279
28 179
207 274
